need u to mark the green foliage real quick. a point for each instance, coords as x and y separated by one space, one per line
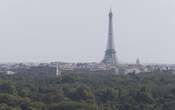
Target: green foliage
73 106
81 94
86 91
8 87
4 106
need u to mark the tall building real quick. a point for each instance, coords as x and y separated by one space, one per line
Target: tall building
138 61
58 71
110 53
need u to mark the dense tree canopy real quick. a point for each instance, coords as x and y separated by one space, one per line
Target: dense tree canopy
86 91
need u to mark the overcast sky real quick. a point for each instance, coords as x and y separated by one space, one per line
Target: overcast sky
76 30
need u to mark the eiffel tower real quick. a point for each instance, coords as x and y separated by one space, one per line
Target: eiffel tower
110 57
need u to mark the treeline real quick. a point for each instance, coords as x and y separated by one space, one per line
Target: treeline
145 91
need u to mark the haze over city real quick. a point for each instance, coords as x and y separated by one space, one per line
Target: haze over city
76 31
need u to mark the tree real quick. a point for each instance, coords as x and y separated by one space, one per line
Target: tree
8 87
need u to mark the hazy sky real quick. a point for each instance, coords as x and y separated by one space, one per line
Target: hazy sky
76 30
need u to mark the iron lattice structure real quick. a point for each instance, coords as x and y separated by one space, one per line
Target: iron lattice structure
110 53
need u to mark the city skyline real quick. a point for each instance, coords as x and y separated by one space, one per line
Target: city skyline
44 31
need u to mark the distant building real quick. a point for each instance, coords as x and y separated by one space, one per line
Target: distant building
110 57
138 62
58 71
10 72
